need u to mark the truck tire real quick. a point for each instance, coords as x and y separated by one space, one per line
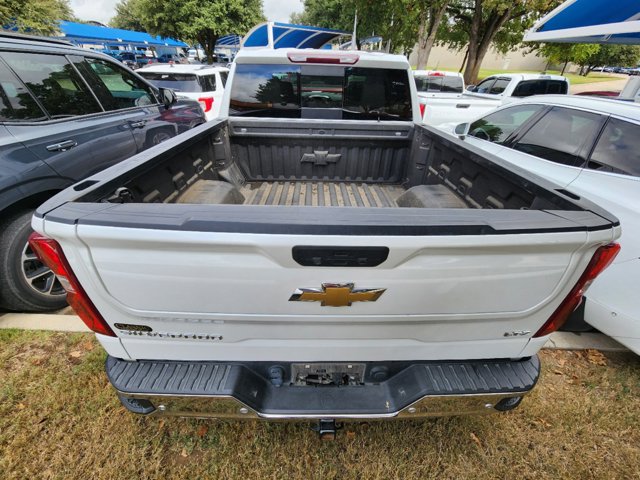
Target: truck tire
26 284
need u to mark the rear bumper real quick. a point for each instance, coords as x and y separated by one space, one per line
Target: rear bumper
244 391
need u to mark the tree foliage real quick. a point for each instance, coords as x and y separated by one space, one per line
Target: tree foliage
590 56
564 53
615 55
478 24
395 20
128 16
39 17
201 21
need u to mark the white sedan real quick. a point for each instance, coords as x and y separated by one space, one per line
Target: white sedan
589 147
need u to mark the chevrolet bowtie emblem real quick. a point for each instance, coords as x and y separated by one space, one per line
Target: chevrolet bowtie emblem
336 294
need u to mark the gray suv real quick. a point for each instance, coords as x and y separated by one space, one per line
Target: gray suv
65 114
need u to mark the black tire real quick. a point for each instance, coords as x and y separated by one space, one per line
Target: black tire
158 136
17 263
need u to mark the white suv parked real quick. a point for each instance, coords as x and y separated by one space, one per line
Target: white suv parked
204 83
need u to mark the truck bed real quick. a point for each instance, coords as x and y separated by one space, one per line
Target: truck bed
252 163
321 194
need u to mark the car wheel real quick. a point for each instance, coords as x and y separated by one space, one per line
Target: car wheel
158 137
26 284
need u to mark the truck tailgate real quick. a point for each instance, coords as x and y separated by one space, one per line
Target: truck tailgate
216 295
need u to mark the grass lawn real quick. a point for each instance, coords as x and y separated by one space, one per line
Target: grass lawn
60 419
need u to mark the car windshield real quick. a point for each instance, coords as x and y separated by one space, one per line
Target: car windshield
180 82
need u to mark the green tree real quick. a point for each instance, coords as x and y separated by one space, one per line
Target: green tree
394 20
201 21
39 17
128 16
617 55
431 13
563 53
336 14
478 24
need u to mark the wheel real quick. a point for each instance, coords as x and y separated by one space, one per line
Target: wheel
158 137
26 284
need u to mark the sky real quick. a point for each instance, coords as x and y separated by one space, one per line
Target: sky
103 10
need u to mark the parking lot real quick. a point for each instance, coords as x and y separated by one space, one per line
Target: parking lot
274 249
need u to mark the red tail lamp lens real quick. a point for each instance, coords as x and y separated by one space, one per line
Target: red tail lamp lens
207 103
422 109
50 252
603 257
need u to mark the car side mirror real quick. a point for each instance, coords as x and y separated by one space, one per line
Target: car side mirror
167 97
462 130
471 88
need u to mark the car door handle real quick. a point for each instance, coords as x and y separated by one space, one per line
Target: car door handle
138 124
62 146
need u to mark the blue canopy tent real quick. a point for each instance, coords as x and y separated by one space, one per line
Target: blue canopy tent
286 35
229 41
590 21
83 33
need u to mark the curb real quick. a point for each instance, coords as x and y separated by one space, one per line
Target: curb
583 341
71 323
43 321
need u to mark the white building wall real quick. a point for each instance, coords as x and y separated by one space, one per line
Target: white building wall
445 59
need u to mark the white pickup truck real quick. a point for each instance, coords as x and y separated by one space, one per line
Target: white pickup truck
490 93
317 253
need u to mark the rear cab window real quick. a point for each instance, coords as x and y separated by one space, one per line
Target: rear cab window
526 88
314 91
439 83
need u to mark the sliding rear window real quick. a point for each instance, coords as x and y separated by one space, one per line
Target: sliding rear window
528 88
439 83
315 91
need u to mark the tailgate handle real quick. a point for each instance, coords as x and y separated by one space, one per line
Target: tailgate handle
337 256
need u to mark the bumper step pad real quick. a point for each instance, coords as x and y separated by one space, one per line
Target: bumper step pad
145 383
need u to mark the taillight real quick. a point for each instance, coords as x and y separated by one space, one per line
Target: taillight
422 109
603 257
207 103
50 252
332 58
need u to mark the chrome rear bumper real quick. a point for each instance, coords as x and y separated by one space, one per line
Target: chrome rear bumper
228 408
243 391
